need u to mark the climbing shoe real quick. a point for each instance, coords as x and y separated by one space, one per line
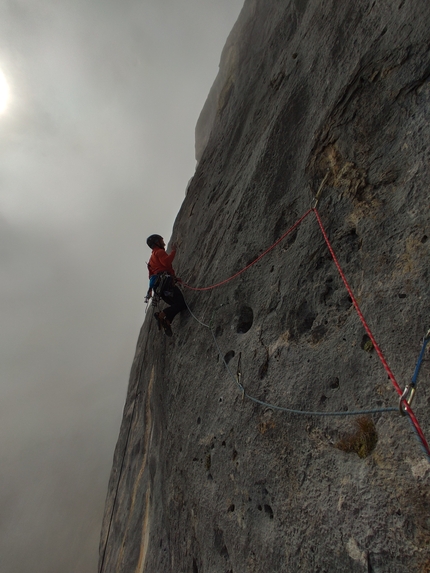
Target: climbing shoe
163 323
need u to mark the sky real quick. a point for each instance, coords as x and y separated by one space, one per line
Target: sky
96 150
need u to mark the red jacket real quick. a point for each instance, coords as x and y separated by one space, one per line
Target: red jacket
161 262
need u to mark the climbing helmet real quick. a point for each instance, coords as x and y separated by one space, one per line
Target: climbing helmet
153 240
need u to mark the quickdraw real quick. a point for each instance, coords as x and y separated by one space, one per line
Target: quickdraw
409 391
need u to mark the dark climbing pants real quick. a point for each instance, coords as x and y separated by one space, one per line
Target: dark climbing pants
175 298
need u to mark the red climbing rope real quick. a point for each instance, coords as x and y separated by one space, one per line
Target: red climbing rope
290 230
372 338
407 407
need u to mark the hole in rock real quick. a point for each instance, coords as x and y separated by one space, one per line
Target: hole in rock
317 334
269 511
246 318
366 343
229 356
262 372
302 319
424 239
231 508
219 543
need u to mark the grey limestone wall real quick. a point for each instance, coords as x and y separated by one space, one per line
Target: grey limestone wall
207 481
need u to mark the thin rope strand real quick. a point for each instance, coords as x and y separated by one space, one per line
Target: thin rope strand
281 408
408 409
290 230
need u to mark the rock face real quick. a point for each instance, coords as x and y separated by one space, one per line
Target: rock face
205 480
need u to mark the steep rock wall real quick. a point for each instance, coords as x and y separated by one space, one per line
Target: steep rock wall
207 481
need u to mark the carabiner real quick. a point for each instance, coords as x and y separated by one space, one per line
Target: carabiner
407 396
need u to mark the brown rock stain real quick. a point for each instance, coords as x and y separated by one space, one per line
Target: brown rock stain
342 174
409 261
363 441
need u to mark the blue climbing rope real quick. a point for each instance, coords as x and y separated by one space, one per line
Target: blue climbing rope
409 392
274 406
420 360
410 389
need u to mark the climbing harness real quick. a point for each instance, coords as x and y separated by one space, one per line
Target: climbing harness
409 391
405 396
159 284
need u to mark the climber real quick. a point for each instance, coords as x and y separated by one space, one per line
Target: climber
162 280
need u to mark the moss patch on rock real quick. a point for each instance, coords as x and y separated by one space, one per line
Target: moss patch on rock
363 440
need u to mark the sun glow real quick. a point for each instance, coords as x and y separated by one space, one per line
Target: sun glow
4 92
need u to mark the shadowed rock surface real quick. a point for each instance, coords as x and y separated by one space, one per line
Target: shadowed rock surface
204 481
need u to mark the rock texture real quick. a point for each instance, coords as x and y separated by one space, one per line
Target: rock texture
204 481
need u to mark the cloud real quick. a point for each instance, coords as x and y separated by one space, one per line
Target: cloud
96 150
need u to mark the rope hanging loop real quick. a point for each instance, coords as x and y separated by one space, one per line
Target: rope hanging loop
406 395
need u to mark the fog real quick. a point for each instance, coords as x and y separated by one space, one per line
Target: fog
96 149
